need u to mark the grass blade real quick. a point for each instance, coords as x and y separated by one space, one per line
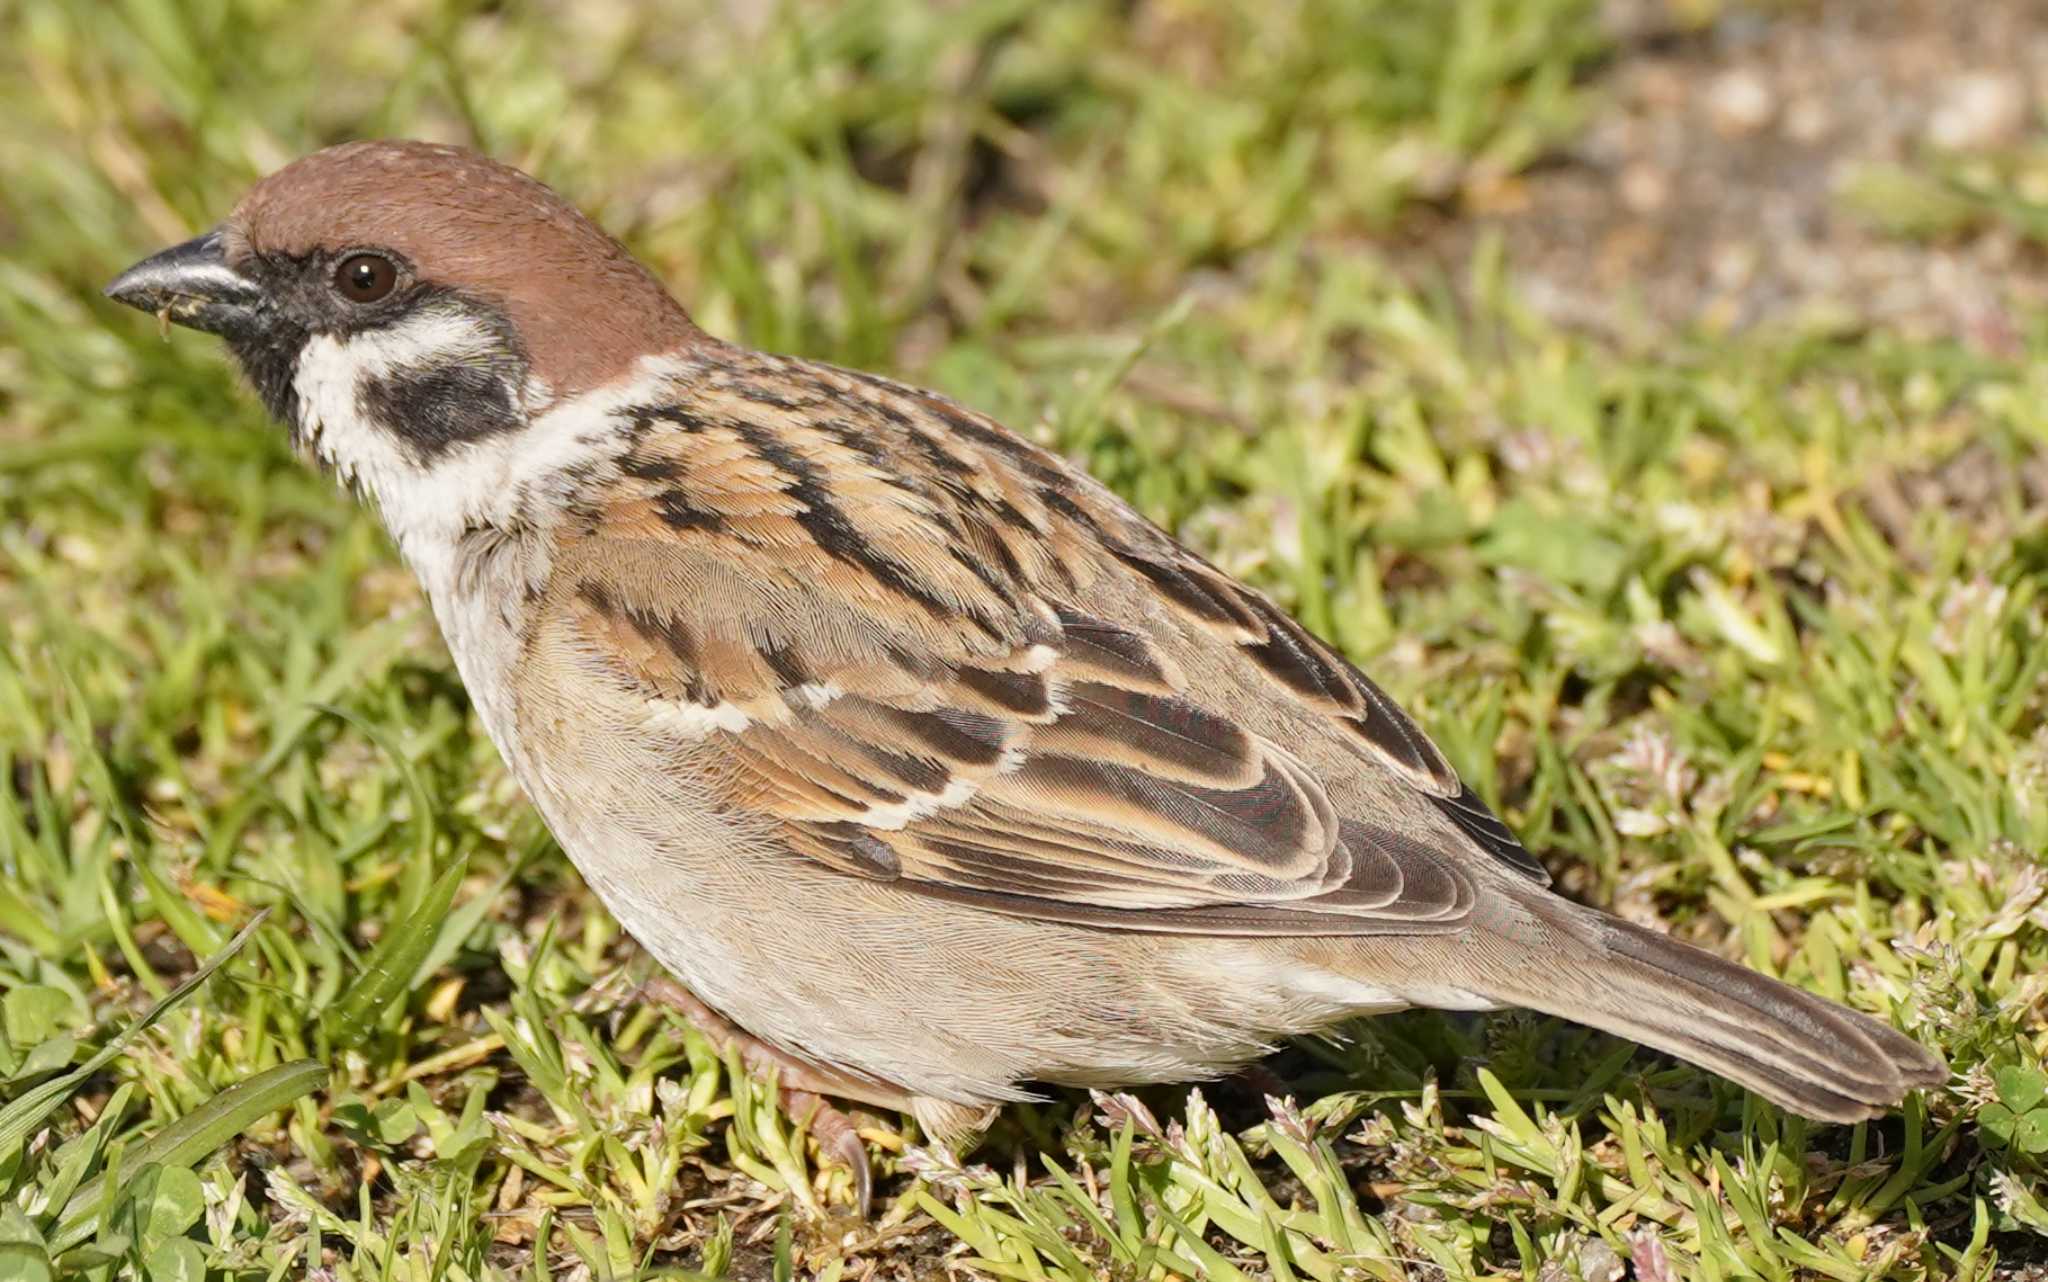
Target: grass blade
19 1119
187 1141
388 974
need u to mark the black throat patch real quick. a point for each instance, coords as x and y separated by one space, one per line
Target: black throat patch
269 356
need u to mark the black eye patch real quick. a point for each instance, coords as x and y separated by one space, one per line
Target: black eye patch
437 407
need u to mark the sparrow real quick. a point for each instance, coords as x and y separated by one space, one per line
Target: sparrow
927 767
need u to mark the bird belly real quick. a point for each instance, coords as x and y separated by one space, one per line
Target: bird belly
934 998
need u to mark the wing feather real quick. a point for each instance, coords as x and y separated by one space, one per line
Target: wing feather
883 627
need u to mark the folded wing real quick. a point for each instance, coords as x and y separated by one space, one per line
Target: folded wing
876 609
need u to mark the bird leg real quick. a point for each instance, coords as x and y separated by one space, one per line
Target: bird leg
804 1084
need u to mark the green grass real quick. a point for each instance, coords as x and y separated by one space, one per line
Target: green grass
1723 624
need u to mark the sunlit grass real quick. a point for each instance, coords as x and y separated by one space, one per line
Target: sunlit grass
1744 636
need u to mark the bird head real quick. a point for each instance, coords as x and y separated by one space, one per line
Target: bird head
403 307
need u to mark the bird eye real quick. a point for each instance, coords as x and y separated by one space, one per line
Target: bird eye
365 278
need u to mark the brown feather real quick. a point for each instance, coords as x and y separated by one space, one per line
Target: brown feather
971 723
456 216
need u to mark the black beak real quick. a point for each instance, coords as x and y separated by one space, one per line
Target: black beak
193 285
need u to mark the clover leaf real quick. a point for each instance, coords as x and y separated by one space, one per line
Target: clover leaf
2019 1120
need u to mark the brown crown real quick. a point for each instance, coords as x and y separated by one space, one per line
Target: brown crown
584 307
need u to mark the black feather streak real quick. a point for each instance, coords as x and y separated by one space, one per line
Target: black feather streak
829 527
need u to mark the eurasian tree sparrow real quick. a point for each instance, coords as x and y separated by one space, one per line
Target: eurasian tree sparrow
907 747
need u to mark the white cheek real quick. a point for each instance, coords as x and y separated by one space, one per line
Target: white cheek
423 501
331 419
427 501
331 371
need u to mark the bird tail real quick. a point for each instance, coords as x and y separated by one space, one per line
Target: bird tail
1805 1053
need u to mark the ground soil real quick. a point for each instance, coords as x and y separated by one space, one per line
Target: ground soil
1708 186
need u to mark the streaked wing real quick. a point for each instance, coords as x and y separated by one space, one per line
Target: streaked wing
901 668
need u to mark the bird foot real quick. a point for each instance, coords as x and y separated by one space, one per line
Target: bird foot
838 1138
804 1085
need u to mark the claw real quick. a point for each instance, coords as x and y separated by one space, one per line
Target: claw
836 1136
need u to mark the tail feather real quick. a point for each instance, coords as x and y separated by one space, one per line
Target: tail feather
1802 1052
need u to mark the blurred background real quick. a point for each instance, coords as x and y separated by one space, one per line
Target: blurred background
1645 391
